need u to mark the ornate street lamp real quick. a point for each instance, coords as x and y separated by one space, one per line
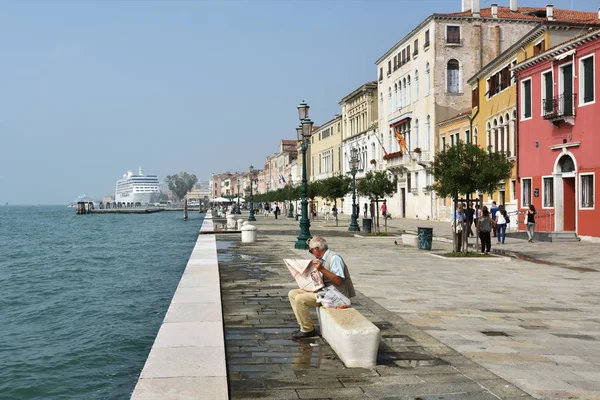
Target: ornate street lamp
304 131
251 217
354 161
238 197
290 211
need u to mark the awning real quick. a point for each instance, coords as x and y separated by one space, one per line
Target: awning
565 55
400 120
395 124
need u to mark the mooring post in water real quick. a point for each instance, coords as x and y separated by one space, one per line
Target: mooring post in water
185 209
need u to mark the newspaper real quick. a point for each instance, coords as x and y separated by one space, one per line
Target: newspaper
307 277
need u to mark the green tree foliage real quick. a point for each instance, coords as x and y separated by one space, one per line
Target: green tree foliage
181 183
336 187
465 168
377 185
315 189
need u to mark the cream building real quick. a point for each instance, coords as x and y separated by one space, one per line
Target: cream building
359 115
422 80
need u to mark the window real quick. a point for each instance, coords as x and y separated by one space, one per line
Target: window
525 192
427 80
416 85
416 47
428 178
567 98
416 188
587 191
475 97
513 189
526 99
408 183
451 140
408 52
468 136
443 144
453 76
428 132
452 34
586 80
426 45
395 63
389 71
549 192
416 133
380 74
539 48
547 92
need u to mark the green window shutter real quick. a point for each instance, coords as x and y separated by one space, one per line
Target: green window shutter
527 99
588 79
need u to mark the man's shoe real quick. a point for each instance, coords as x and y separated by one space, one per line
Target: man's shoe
304 335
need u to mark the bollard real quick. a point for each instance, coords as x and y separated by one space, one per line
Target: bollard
248 234
230 221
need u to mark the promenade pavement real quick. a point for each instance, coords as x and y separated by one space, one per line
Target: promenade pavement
452 328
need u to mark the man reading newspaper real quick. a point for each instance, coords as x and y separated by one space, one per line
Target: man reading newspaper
333 271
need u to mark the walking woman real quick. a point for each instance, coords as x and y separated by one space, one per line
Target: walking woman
531 222
485 225
501 219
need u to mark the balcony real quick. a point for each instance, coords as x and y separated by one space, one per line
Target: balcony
560 108
396 161
423 158
414 191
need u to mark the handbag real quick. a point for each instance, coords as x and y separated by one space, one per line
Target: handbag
331 297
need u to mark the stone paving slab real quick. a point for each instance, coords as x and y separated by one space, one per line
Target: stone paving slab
534 324
263 362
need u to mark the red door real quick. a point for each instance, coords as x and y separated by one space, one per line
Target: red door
569 200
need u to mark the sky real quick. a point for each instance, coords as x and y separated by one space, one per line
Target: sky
91 89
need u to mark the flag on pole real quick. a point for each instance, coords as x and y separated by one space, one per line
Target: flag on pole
283 179
381 144
401 140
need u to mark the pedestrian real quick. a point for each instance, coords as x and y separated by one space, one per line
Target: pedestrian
493 212
470 213
485 224
531 222
372 209
501 220
365 211
335 273
325 211
313 209
277 210
457 220
384 210
334 212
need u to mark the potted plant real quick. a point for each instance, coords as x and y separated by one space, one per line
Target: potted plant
417 150
373 162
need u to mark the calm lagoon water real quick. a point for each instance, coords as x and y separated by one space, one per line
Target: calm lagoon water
83 297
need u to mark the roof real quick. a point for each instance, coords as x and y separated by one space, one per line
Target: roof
591 34
532 14
523 14
461 115
366 86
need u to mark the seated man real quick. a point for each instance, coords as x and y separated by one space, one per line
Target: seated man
334 272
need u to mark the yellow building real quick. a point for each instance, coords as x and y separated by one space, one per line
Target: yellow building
450 132
494 100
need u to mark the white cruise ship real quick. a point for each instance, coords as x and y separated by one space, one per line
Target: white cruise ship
137 189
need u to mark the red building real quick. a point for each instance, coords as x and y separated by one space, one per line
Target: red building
559 135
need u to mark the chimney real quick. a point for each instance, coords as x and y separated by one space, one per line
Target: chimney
494 9
476 10
598 12
466 5
513 5
550 12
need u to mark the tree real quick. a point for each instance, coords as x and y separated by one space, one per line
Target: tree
377 185
465 169
181 183
334 188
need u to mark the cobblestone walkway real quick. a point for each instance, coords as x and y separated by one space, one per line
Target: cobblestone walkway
264 363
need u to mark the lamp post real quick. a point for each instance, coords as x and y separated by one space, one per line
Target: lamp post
251 217
353 168
304 131
238 197
290 211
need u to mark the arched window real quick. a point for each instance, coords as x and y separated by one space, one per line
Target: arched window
453 76
404 92
427 80
408 91
416 133
395 96
389 100
475 140
428 132
416 85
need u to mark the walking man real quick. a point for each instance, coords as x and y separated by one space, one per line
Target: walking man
493 212
334 271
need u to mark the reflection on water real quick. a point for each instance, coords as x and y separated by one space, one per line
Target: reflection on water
307 355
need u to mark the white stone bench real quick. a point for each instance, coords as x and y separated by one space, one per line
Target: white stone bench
411 240
353 337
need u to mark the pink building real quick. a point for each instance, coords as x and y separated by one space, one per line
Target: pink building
558 138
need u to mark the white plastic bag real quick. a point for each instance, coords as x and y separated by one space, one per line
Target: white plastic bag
330 297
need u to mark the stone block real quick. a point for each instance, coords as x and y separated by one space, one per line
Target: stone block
410 240
353 337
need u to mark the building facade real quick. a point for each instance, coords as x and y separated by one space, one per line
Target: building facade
422 80
360 119
557 147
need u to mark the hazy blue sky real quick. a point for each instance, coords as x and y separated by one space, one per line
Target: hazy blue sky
89 89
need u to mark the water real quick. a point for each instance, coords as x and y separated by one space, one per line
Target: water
83 297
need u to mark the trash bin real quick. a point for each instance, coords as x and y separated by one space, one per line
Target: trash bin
425 238
367 225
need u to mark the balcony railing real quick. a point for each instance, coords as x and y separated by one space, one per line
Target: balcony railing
560 106
397 160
